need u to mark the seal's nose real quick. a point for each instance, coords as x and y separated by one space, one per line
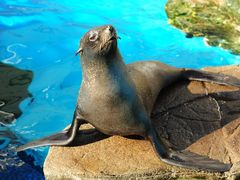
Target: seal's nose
110 28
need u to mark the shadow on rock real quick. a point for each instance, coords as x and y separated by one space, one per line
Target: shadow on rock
13 90
87 136
192 115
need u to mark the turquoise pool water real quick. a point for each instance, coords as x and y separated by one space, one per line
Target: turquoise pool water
43 35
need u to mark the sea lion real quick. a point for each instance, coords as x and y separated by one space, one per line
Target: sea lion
117 99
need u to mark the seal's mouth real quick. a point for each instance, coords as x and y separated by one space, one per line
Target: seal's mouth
114 38
110 41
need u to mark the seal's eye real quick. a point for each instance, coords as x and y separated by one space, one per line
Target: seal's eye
93 36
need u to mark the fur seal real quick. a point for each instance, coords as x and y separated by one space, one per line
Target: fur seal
117 99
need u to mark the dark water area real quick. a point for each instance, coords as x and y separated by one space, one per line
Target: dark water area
14 85
13 89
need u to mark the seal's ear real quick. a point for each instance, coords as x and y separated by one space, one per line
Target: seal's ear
80 50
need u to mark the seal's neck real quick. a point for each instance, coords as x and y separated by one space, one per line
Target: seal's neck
101 67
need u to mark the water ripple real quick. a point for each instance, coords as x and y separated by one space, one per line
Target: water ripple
13 59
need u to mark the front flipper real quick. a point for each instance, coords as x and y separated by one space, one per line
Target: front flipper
62 138
185 158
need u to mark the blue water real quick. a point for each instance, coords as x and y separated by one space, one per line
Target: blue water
43 35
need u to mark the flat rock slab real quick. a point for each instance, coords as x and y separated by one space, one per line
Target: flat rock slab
201 117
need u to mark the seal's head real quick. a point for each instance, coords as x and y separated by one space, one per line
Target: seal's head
99 41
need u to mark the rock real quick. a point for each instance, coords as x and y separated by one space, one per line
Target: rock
201 117
216 20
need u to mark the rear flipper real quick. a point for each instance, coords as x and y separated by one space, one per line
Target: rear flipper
194 161
62 138
185 158
217 78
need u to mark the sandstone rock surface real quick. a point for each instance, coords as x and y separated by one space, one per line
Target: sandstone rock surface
201 117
